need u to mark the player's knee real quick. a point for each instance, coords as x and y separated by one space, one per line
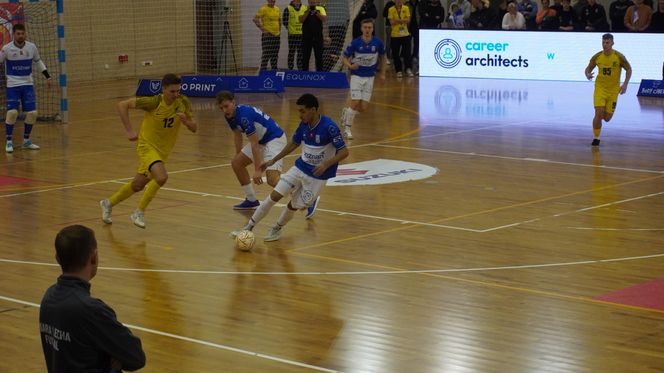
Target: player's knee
137 186
161 179
275 196
272 178
31 117
608 116
240 161
11 116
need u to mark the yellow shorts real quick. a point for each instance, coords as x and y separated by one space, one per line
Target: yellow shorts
148 155
606 99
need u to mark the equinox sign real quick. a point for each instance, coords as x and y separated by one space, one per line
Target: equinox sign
447 53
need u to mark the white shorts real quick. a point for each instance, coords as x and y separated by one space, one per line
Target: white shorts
269 150
361 87
303 188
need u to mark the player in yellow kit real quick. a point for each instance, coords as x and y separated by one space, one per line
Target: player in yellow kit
164 114
610 63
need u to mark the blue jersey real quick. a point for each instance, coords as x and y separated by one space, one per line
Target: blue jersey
319 144
250 120
366 55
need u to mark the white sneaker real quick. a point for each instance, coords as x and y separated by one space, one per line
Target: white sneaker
273 234
389 62
138 218
347 133
344 116
9 147
27 144
399 74
106 210
409 72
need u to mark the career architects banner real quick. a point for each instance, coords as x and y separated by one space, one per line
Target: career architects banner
532 55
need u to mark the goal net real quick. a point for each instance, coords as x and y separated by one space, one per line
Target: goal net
40 19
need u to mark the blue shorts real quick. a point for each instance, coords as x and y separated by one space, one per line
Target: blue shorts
24 94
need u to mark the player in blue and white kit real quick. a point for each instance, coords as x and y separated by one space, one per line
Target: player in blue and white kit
18 57
323 148
362 57
266 139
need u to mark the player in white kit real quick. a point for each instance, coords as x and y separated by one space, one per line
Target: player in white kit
18 57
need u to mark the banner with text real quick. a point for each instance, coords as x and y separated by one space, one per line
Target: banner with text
651 88
536 55
313 79
209 85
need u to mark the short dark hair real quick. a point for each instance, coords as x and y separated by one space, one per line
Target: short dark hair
607 36
225 96
73 247
170 79
18 27
367 20
308 101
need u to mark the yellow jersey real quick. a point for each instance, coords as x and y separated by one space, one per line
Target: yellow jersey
160 125
609 69
400 30
270 17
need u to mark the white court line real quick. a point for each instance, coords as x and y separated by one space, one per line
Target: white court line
523 159
573 212
618 229
200 342
353 273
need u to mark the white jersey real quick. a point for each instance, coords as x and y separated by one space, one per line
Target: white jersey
18 63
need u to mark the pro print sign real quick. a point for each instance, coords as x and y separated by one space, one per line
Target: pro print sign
535 55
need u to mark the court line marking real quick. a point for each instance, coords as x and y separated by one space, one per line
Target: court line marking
201 342
390 271
522 159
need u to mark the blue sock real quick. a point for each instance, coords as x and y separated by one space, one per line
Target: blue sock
9 128
26 131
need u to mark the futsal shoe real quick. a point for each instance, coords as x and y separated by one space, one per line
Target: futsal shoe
247 205
347 133
595 142
138 218
273 234
106 210
234 233
28 144
9 147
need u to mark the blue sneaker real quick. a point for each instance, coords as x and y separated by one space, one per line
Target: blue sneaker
312 209
247 205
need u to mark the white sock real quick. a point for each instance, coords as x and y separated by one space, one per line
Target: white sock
261 211
350 117
286 216
249 192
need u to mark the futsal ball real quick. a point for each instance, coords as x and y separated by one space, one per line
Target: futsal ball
245 240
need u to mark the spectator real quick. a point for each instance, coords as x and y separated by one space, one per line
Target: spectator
593 17
267 20
637 17
529 10
291 21
367 11
567 17
414 27
513 20
456 16
466 8
388 30
399 16
502 10
80 333
547 19
312 34
482 18
617 11
657 20
432 14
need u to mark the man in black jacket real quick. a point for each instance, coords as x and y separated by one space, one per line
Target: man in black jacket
80 333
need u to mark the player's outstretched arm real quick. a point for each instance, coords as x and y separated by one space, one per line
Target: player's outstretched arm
123 109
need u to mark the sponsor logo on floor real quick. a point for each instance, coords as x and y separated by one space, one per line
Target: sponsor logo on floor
380 171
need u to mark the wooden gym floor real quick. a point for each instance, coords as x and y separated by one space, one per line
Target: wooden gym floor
506 260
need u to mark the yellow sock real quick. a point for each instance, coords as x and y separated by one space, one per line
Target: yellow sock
596 131
121 194
150 191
